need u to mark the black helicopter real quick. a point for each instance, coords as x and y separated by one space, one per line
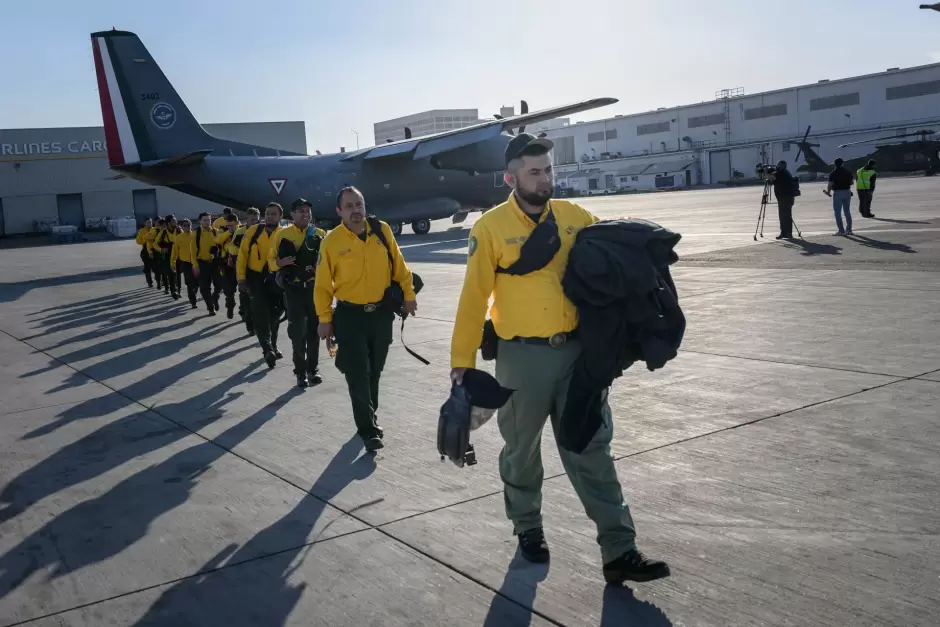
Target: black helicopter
922 155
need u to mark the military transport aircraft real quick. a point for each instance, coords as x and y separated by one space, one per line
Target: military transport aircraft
152 137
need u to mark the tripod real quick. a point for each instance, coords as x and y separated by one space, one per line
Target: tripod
762 212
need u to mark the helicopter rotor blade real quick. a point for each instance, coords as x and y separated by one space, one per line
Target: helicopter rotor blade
523 108
802 143
920 134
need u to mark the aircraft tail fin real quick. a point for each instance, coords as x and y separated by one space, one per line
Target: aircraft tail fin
144 118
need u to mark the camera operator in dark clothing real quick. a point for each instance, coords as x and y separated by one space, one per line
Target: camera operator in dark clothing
784 186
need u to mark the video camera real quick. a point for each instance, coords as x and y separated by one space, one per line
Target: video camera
765 169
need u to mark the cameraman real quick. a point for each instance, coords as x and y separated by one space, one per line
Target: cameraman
784 190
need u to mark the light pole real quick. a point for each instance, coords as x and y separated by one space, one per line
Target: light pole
357 138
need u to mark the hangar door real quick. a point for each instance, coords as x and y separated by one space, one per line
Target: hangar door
71 210
719 165
145 205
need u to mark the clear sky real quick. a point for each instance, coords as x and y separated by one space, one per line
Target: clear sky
340 66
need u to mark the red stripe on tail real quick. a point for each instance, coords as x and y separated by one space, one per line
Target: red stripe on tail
115 152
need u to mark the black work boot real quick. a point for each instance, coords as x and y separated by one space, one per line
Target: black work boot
314 377
374 444
533 546
231 312
270 359
301 381
278 354
634 566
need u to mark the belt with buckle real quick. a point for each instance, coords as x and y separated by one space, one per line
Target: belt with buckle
368 308
555 341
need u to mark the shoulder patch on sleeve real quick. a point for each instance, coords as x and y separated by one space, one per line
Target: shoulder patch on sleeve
472 246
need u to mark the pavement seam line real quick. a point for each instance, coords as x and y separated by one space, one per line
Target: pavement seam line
368 525
171 582
670 444
793 363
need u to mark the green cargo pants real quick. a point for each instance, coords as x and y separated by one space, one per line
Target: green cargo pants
362 341
302 328
265 312
539 374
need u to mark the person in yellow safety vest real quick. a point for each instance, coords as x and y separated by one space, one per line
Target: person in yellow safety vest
145 248
865 186
204 251
222 220
252 217
228 258
255 277
181 260
154 251
164 243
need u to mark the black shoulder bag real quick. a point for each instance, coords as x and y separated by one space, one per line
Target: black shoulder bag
536 253
394 297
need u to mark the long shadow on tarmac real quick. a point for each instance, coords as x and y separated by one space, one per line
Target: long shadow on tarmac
623 609
114 444
810 249
144 388
10 292
105 317
98 529
260 595
880 245
521 585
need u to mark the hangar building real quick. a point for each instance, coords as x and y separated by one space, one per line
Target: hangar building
60 176
723 139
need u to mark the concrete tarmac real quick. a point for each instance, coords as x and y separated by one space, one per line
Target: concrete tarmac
153 471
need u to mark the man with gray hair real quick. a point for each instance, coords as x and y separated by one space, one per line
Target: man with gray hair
534 329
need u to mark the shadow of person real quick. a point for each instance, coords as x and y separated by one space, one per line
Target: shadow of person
221 593
810 249
115 444
144 388
100 528
895 221
880 245
515 599
623 609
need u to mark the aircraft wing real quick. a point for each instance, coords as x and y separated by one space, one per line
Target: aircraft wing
430 145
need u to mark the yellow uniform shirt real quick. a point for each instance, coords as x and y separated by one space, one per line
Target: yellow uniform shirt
206 244
531 305
219 223
357 271
142 235
255 259
163 242
293 234
226 240
182 248
151 237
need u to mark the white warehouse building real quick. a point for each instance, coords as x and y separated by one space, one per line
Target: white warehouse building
723 139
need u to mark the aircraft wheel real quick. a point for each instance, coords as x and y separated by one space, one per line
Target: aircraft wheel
421 227
396 228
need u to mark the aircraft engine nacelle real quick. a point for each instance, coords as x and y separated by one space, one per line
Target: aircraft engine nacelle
486 156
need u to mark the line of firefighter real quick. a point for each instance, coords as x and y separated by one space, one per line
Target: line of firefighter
275 268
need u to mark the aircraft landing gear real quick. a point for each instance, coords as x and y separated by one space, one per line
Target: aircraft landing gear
421 227
395 227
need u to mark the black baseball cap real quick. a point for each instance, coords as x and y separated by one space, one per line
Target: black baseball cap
300 202
524 142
